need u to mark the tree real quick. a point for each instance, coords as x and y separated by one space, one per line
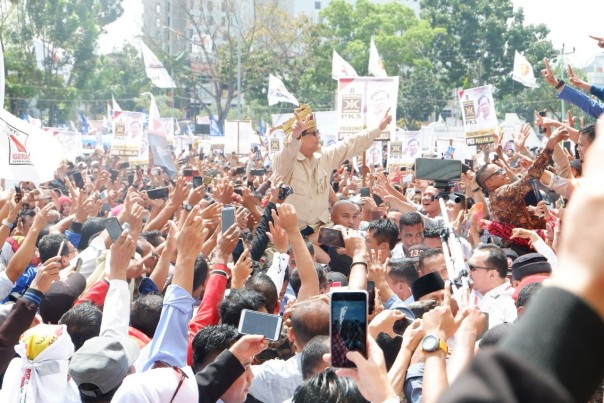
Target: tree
482 38
68 32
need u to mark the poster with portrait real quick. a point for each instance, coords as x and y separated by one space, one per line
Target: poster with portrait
143 154
71 142
127 128
362 103
168 126
404 149
479 116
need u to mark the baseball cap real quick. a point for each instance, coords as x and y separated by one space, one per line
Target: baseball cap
102 363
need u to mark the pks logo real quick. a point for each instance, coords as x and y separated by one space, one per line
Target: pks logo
17 141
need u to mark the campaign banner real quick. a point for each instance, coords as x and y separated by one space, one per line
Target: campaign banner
127 133
27 153
71 142
362 103
479 116
143 153
403 149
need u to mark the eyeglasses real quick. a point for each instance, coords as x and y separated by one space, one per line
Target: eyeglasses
310 133
472 267
500 171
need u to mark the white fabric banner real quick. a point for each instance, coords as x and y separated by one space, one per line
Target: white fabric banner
27 153
278 93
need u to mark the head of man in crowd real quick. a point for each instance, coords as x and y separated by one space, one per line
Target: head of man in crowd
488 267
382 235
491 177
531 264
587 135
433 260
411 226
400 276
430 203
346 213
310 318
49 246
208 343
432 238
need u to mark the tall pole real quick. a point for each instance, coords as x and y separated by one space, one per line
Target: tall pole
238 66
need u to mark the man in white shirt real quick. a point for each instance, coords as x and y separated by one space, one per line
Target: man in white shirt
491 290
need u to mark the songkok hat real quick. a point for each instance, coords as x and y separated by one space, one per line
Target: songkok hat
426 284
303 111
531 263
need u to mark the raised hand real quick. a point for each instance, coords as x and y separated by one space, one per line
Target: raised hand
548 74
386 120
122 251
47 274
278 236
575 80
300 125
600 40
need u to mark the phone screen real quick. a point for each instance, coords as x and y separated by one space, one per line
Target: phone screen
159 193
228 218
114 228
267 325
364 192
77 178
331 237
348 326
187 172
197 181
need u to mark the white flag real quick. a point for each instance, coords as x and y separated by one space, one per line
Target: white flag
523 72
27 153
340 68
155 69
278 93
376 66
114 104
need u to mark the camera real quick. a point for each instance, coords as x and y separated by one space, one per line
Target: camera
284 191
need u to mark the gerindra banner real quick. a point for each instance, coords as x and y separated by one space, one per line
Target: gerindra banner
127 133
479 117
362 103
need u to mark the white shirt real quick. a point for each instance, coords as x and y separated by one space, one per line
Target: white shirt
498 303
276 380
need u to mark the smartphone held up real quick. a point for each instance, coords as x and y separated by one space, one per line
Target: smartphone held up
348 326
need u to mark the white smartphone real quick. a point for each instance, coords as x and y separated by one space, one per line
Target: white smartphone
267 325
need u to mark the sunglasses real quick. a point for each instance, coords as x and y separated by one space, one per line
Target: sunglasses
500 172
310 133
472 267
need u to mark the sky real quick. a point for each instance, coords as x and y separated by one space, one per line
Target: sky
573 33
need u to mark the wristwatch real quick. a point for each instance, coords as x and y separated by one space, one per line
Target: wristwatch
6 223
187 206
431 343
560 84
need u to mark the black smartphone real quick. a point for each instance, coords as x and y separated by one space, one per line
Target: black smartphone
331 237
197 181
536 190
159 193
228 218
364 192
284 191
238 191
114 174
113 227
465 168
257 172
187 172
265 324
348 326
378 200
78 180
437 169
370 296
239 171
469 163
18 194
541 128
124 165
78 265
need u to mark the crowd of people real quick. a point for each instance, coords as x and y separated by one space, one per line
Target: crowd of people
124 284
